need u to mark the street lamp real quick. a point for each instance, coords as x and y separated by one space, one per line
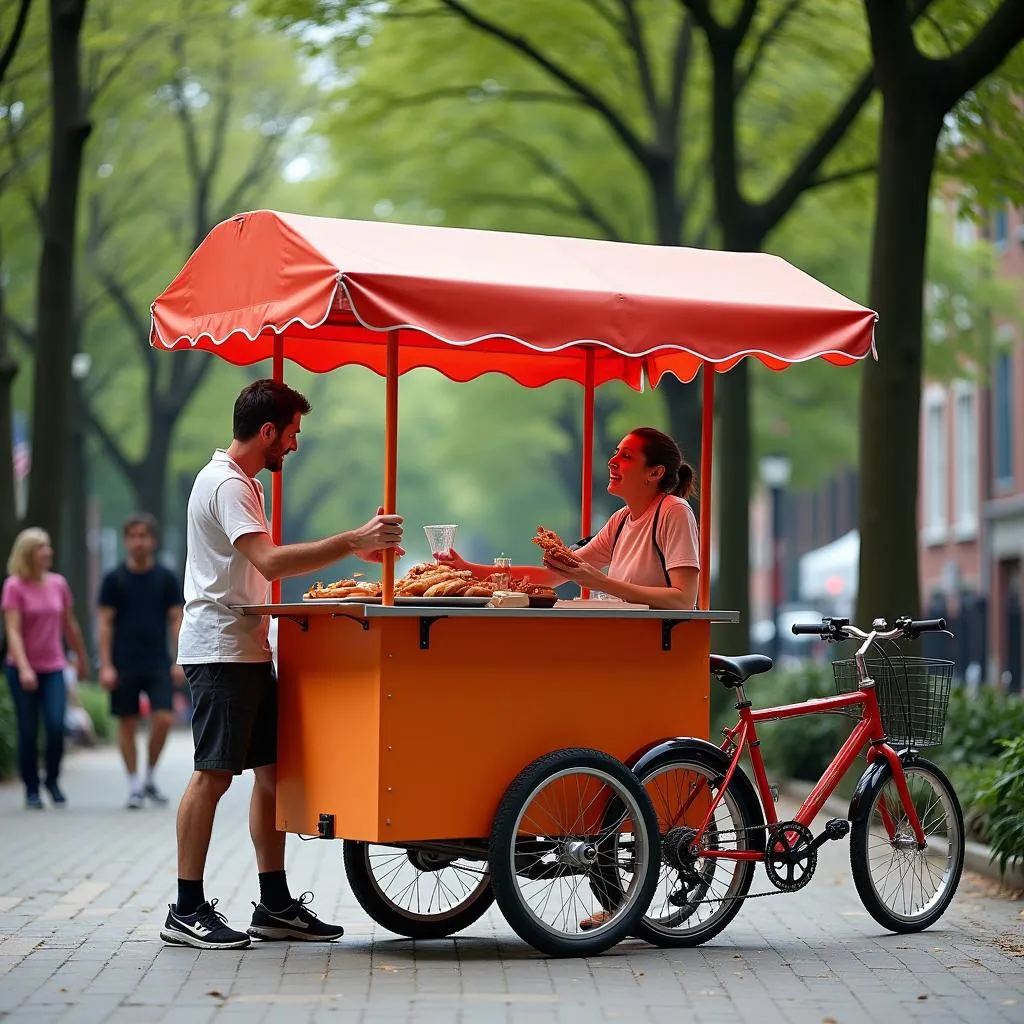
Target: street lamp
775 472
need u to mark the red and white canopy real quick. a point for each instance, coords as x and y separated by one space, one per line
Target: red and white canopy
469 302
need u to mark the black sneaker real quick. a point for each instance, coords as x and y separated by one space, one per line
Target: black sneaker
32 802
154 794
205 929
294 922
56 794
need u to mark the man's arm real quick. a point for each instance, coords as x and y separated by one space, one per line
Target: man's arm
277 560
173 629
105 641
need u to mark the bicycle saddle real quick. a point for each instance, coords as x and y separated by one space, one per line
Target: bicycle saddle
736 671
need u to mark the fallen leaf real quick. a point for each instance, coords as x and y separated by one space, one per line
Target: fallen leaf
216 994
388 968
1009 1002
828 1020
922 997
638 974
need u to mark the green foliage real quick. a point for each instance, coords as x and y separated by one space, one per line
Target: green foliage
977 725
96 702
8 733
1002 799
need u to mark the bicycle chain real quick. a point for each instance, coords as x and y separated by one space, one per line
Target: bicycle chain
749 895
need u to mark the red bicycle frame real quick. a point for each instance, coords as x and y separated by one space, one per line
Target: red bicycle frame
868 732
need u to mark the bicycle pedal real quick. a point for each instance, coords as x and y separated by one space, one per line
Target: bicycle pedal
837 828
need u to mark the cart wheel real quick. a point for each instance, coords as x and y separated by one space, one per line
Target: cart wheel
571 868
417 893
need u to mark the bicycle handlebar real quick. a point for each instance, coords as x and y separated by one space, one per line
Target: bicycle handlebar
840 629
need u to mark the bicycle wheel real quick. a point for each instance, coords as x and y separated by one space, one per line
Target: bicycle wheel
903 888
417 893
696 897
561 876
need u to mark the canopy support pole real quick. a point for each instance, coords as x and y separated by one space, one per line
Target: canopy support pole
276 479
706 440
587 482
390 459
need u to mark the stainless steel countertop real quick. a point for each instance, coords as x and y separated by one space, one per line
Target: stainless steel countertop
376 611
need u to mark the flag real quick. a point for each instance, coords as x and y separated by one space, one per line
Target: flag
21 450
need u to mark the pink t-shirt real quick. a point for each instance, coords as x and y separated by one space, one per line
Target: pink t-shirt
634 558
42 606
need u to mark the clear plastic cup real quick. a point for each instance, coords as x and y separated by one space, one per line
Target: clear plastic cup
440 538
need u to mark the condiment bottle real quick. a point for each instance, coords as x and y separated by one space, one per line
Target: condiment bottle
502 575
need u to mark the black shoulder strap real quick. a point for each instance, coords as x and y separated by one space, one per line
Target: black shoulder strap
618 530
654 540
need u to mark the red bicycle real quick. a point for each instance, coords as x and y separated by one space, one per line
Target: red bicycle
905 822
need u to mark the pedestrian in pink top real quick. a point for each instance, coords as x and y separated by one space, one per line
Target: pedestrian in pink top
38 619
650 548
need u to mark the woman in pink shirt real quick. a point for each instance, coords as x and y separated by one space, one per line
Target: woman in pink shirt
650 547
38 618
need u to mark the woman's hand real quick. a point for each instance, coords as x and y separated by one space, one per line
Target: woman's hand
455 561
28 679
584 574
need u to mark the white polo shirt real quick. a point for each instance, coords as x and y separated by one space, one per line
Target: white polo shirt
225 504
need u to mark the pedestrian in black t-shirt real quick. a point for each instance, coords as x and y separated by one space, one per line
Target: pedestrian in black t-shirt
140 604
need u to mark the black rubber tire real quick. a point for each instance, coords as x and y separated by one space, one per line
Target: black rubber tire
502 855
860 837
393 917
749 817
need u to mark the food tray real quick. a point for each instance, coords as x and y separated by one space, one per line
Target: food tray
421 602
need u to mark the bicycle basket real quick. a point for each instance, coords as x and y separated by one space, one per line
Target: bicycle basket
913 694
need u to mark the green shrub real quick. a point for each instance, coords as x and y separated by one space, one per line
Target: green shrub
1002 801
976 725
8 733
96 701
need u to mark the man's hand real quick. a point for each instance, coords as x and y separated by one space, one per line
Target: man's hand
380 534
108 677
28 680
177 675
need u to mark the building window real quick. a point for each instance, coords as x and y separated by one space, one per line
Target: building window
1000 228
935 465
1002 413
965 427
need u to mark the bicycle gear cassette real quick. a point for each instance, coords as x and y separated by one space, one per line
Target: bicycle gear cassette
790 856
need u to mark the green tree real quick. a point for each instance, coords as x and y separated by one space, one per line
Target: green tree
922 77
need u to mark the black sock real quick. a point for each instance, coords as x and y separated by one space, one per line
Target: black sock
274 894
190 895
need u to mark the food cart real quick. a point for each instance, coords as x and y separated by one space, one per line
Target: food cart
467 752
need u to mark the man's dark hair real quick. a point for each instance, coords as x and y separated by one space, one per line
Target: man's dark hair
141 519
266 401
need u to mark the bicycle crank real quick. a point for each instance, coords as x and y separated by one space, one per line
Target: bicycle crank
790 856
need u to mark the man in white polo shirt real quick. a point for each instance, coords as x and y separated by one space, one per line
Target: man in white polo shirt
230 560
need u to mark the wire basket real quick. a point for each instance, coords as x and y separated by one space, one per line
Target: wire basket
913 694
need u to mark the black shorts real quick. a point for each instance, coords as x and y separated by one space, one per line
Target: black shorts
124 698
234 721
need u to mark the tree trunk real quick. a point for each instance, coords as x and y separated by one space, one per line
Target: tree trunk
891 390
53 394
8 371
150 476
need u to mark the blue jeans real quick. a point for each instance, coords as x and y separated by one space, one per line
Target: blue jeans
51 696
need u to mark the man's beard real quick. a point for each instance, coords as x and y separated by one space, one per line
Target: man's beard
272 461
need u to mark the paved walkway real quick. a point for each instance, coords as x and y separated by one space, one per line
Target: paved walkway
83 893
